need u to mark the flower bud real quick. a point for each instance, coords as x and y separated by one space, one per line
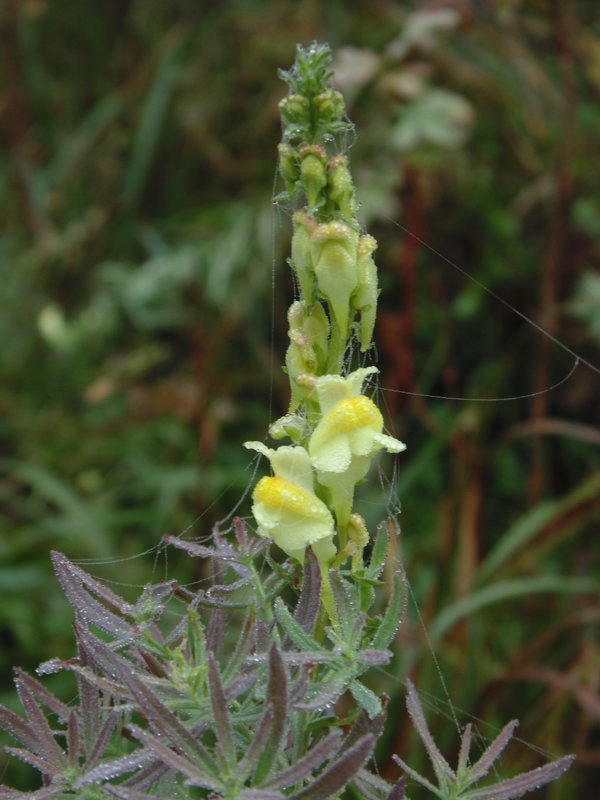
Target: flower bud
329 105
307 352
365 298
301 259
313 171
333 249
288 166
341 188
294 110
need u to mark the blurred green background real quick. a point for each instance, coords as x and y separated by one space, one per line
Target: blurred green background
142 338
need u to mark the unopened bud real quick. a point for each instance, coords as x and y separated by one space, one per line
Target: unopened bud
294 110
313 171
341 188
301 259
330 105
333 248
288 166
365 299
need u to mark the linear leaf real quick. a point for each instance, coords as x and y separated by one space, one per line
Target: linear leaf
221 715
337 775
365 698
440 765
295 631
393 614
514 788
305 766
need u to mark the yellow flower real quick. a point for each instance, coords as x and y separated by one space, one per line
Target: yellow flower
287 510
349 434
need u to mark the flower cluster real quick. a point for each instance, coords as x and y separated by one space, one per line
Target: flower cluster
336 429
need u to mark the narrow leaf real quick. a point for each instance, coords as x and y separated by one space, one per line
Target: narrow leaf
294 630
416 777
305 766
114 768
365 698
337 775
221 716
514 788
308 603
257 745
493 752
393 614
440 765
176 761
46 743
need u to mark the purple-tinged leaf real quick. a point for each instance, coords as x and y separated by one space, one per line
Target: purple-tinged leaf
239 685
215 634
276 697
51 702
89 696
463 754
310 596
221 717
259 794
245 643
19 729
241 534
277 693
398 791
338 774
114 768
373 658
416 777
148 775
345 605
225 589
440 765
45 793
180 763
514 788
305 766
329 693
45 767
102 739
86 607
73 740
63 566
46 744
130 794
492 753
257 745
363 725
154 666
372 787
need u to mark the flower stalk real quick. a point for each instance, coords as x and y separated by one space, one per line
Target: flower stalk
336 430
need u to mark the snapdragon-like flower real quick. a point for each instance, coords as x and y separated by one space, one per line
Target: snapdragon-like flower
349 434
286 508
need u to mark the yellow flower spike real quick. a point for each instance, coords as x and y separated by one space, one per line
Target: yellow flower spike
333 250
301 257
287 510
347 437
365 299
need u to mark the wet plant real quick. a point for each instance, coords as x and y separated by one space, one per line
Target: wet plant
257 686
